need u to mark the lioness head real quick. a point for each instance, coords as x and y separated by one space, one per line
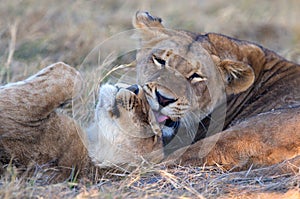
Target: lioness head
125 128
183 81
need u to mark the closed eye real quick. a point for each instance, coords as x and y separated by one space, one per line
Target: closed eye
158 61
196 78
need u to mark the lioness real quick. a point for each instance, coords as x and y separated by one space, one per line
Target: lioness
190 79
34 135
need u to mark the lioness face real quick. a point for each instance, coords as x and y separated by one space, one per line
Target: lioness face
183 76
179 77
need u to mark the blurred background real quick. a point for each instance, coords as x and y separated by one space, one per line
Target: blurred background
36 33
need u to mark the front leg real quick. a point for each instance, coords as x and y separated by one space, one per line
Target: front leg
263 140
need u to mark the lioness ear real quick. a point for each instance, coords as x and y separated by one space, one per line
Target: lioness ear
238 76
149 26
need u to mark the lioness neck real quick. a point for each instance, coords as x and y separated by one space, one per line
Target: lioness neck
272 73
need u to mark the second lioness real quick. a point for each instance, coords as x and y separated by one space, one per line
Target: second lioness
201 84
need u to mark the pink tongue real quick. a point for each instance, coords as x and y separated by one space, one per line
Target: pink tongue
160 117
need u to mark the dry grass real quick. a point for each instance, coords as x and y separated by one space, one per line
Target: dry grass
157 181
35 33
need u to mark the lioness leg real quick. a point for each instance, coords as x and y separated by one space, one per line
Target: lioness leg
30 129
263 140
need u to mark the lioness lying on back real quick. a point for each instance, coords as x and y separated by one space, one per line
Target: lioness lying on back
34 134
190 86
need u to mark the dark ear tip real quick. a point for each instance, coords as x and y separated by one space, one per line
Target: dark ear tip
147 16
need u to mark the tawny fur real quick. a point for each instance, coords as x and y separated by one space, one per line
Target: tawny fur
261 91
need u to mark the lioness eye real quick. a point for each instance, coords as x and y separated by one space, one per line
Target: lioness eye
196 78
158 61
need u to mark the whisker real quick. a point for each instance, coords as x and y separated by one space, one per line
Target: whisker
206 115
200 121
190 123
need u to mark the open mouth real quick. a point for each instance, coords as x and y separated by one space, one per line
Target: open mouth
168 126
160 118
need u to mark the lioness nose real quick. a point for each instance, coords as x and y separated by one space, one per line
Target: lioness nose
164 101
134 88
